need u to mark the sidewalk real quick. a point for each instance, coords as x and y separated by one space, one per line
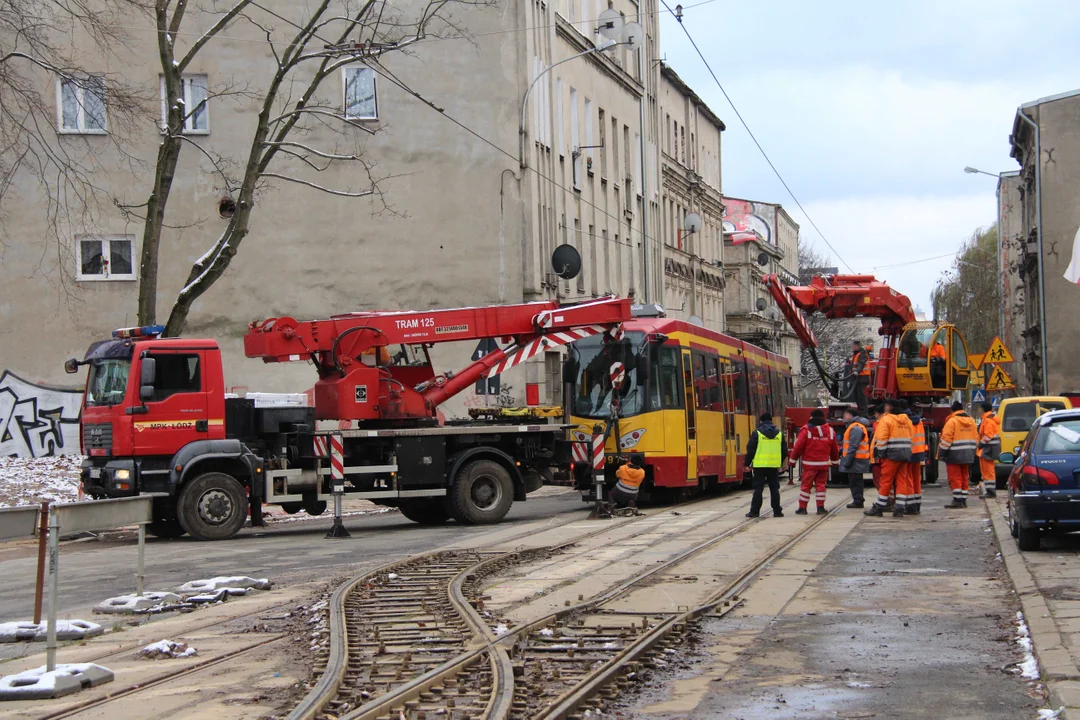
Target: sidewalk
1046 584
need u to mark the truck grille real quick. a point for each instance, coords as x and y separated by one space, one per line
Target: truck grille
97 437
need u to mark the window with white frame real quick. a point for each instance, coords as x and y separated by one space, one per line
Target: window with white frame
80 104
196 105
361 99
105 257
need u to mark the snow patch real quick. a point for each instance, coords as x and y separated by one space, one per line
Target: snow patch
146 602
29 481
1029 667
65 630
547 632
235 582
1048 714
501 629
859 685
166 649
392 576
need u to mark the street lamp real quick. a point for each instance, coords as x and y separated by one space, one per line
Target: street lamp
971 171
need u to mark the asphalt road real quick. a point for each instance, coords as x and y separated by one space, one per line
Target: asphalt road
288 553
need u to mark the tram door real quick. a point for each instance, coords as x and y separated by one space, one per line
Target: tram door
727 389
691 417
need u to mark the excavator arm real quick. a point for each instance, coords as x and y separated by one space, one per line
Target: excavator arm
358 380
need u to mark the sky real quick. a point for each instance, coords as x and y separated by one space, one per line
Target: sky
871 111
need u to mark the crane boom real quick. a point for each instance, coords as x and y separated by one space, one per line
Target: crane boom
359 380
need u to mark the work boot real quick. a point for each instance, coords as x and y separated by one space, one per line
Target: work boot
777 513
821 510
898 512
874 511
855 504
752 515
956 504
988 493
801 511
913 509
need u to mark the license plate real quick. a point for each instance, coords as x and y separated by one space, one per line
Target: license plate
95 473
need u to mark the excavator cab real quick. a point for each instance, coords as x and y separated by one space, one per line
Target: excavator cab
931 359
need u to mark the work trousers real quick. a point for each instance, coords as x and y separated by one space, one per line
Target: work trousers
621 498
914 473
856 483
894 475
875 470
813 478
763 477
989 475
958 480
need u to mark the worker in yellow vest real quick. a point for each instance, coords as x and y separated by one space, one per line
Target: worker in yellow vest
765 454
855 455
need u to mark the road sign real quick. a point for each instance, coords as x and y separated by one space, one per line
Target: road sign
999 380
977 378
976 360
978 396
998 353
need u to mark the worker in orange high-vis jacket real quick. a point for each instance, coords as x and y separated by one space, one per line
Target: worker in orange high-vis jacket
855 454
630 477
892 446
816 446
920 452
860 375
989 448
957 447
875 464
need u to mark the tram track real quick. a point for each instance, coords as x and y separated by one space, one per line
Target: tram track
544 668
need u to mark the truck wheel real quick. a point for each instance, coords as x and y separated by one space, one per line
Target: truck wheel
1028 538
481 494
425 512
165 523
292 507
213 506
313 506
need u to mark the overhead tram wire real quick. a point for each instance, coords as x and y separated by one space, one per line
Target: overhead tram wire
754 138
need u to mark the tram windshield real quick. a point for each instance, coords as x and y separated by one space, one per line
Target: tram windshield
592 386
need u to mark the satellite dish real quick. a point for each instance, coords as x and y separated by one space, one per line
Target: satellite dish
693 222
763 259
761 304
566 261
633 35
610 24
696 320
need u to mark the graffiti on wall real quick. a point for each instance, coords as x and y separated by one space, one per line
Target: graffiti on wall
744 216
37 420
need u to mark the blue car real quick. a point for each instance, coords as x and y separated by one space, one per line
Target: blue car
1044 492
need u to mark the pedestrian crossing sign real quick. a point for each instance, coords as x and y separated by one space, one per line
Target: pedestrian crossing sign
998 353
978 396
999 380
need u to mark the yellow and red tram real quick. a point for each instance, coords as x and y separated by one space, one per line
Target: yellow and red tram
689 403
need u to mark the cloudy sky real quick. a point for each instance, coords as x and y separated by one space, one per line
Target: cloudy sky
871 111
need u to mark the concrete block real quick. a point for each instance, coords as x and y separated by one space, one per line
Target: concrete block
38 632
137 603
38 684
200 587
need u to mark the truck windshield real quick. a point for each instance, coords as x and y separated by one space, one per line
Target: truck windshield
592 387
108 379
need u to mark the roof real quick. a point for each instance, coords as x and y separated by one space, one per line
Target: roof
1020 127
685 89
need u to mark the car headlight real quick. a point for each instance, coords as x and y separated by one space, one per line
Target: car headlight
631 439
122 474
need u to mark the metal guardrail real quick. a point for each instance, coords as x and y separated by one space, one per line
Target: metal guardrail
18 523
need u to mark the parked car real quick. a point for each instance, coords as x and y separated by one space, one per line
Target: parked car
1044 495
1017 416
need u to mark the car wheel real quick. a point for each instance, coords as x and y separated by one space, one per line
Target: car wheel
213 506
1014 527
425 512
481 494
1028 538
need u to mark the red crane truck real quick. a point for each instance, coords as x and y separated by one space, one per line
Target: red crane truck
156 418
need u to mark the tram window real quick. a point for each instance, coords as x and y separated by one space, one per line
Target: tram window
739 383
712 376
701 393
666 387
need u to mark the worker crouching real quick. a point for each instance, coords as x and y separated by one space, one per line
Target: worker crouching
956 449
630 476
892 446
816 446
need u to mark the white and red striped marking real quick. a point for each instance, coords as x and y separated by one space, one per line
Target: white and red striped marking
516 356
618 374
321 448
337 463
598 452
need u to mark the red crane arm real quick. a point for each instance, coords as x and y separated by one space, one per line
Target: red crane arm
337 344
845 296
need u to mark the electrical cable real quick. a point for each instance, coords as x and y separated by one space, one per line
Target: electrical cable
758 144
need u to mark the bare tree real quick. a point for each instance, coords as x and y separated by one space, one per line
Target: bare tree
293 114
834 336
36 136
968 294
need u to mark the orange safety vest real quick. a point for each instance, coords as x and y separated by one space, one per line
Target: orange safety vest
629 478
937 352
893 438
873 431
959 439
919 448
855 363
863 451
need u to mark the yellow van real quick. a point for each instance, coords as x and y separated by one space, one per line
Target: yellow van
1017 415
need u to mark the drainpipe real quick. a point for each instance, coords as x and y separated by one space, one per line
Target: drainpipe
644 173
1039 234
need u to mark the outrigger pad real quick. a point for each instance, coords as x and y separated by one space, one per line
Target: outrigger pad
39 684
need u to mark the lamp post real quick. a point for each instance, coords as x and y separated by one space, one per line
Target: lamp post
1000 269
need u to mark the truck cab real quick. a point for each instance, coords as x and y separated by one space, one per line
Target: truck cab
153 419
